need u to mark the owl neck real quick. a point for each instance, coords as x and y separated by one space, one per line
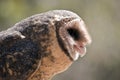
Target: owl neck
49 67
56 62
43 72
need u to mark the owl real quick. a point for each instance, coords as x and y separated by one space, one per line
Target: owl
43 45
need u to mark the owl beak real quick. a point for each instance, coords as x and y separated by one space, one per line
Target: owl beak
77 49
81 50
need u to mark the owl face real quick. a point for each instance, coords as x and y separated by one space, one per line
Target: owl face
75 37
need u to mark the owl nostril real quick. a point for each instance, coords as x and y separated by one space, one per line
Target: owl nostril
74 33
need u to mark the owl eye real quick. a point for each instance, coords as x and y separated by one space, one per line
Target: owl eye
74 33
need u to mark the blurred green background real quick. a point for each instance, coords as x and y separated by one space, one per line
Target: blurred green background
102 18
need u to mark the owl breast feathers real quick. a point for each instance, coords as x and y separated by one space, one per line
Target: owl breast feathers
42 45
